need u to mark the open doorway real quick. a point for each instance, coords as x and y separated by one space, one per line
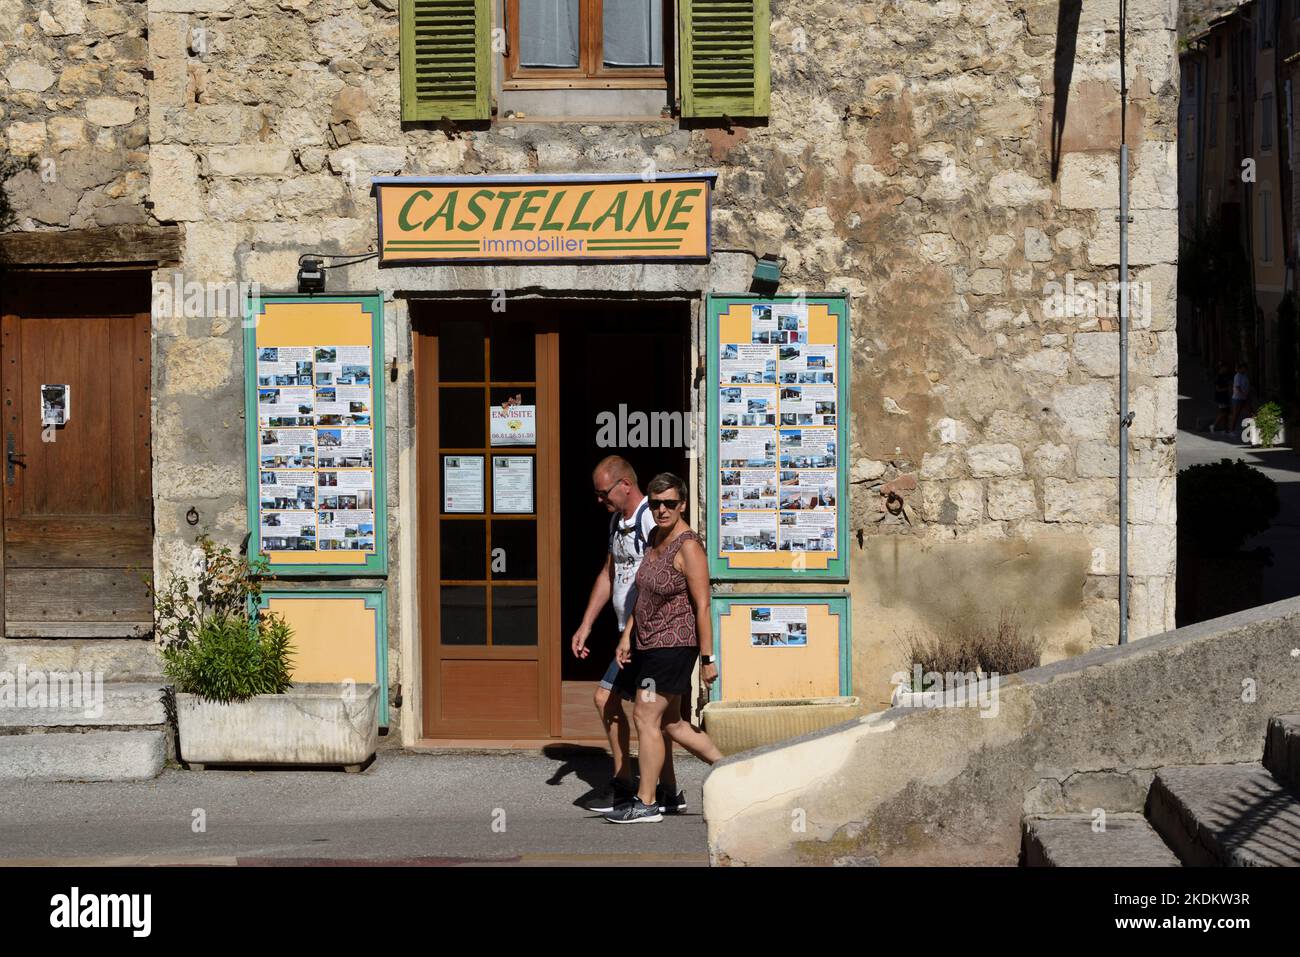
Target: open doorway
624 374
503 588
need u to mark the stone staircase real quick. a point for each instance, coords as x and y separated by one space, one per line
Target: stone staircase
125 740
1209 815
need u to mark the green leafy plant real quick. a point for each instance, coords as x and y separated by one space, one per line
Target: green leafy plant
215 642
232 659
1268 422
1221 504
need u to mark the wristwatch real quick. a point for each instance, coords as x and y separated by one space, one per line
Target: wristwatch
707 659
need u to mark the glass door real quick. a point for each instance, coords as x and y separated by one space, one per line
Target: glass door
489 507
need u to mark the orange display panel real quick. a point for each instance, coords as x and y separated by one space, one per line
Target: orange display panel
538 218
774 647
777 433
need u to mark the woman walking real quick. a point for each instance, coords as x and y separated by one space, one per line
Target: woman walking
672 627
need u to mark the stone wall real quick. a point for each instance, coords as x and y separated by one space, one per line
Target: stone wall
921 154
948 786
73 82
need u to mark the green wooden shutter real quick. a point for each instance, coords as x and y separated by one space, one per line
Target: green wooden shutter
446 65
724 57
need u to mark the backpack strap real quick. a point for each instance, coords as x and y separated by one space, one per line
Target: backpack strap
613 530
637 535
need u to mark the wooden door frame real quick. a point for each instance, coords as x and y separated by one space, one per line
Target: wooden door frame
32 253
547 491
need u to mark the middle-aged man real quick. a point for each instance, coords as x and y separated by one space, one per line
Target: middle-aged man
630 525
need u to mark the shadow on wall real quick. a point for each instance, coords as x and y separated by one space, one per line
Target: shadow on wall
1067 33
903 585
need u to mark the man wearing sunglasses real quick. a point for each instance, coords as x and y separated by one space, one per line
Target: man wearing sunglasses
615 484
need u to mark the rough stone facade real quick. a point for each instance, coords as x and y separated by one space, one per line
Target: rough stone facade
945 162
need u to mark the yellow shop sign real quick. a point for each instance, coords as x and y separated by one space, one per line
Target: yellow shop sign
543 218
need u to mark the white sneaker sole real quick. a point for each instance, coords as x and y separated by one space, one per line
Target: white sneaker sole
637 820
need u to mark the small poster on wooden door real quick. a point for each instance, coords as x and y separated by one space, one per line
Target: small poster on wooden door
56 404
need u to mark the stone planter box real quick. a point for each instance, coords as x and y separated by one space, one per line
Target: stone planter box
311 724
738 726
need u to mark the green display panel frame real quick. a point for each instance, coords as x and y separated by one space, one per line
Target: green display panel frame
838 604
375 598
376 563
720 565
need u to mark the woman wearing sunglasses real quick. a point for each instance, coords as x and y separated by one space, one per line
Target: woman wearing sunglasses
672 628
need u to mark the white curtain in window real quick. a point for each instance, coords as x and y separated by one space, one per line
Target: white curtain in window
548 33
634 33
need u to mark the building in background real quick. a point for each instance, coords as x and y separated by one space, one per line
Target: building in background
951 166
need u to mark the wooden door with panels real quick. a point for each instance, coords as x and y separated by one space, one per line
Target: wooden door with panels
77 552
489 563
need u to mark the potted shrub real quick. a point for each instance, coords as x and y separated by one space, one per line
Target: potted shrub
230 665
958 665
1266 427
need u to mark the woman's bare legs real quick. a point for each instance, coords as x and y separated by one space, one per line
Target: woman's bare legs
688 736
648 713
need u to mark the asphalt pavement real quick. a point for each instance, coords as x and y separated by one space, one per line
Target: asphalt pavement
407 809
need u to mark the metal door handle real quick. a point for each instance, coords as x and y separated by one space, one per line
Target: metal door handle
12 458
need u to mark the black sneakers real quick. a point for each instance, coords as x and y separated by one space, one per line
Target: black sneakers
670 803
613 794
635 812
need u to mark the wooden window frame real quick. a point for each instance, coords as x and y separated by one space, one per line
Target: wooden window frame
591 72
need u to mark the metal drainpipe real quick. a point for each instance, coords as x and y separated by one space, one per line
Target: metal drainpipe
1123 332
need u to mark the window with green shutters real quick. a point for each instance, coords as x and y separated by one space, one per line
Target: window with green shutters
724 57
445 50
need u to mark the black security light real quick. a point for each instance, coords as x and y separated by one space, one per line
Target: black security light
767 275
311 275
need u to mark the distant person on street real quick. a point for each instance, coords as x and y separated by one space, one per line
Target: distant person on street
671 625
1240 395
1222 397
630 526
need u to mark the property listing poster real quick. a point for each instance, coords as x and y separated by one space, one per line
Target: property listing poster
777 452
316 448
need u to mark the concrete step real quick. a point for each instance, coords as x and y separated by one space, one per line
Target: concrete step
1282 749
119 659
88 756
1068 840
114 703
1226 815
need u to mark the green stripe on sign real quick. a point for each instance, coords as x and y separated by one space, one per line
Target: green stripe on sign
431 242
648 242
433 249
605 249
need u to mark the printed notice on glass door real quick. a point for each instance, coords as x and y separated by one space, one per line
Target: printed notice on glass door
462 483
516 425
512 484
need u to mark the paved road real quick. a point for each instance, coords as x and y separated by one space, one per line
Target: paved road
404 809
1282 465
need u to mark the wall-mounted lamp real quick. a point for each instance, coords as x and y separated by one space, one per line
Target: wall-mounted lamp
311 275
767 275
